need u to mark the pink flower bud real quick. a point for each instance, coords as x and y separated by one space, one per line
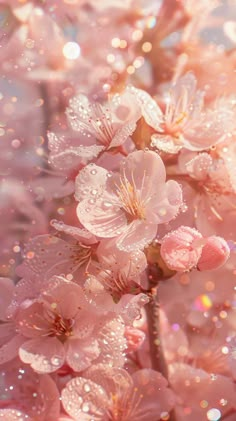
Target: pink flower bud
214 253
181 249
134 337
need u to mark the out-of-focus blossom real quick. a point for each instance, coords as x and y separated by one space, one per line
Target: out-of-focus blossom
200 393
21 389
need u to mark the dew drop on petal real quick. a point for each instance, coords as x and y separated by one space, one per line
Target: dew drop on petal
85 407
87 388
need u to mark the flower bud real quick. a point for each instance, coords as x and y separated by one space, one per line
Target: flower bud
181 249
215 253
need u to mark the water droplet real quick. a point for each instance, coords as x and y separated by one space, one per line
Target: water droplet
93 172
85 407
87 388
107 204
162 212
55 361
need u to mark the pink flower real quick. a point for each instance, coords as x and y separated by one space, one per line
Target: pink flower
213 185
57 325
100 127
106 393
128 205
181 249
47 255
118 271
185 123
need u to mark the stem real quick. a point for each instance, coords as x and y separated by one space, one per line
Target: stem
153 318
43 88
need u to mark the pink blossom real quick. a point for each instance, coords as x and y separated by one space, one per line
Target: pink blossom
48 255
212 189
100 127
195 386
129 205
118 271
108 393
129 306
57 325
185 123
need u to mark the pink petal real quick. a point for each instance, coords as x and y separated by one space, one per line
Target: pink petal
81 353
14 415
68 297
103 218
181 249
122 134
45 355
112 379
112 342
49 255
51 396
215 253
79 234
212 128
136 236
84 400
156 397
66 155
9 350
6 288
199 166
170 200
150 110
144 169
90 182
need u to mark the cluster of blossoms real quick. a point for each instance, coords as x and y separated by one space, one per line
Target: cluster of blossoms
118 205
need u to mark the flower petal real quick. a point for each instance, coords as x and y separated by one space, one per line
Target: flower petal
81 353
45 355
10 349
84 400
136 236
90 182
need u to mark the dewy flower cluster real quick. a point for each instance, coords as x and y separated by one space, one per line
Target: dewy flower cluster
118 210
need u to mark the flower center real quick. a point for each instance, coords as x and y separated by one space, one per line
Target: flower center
131 200
61 328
